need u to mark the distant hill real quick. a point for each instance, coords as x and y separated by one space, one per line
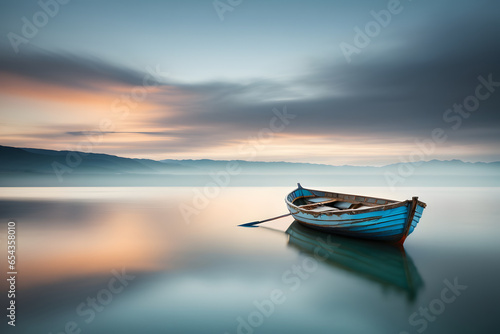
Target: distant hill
433 167
39 167
43 161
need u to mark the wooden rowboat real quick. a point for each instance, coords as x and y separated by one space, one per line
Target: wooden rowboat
355 215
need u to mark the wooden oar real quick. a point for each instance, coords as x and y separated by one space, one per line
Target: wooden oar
263 221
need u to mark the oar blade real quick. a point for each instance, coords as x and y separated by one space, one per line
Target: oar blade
252 224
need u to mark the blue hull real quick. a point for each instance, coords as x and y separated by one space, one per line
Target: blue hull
354 215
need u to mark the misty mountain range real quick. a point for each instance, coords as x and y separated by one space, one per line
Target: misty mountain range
40 167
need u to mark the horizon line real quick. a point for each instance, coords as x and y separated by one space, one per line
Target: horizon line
258 161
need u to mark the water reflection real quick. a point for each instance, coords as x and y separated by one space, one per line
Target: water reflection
385 264
70 241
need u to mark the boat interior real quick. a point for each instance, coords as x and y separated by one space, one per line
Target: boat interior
340 202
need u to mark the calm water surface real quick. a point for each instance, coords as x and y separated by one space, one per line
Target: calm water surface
125 260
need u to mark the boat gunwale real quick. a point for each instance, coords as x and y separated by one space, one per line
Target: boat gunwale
381 207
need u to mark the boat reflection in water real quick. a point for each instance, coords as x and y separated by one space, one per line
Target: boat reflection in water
386 264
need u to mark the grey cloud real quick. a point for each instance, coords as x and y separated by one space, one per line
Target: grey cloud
393 93
69 70
401 91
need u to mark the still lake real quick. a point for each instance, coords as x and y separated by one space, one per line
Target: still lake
124 260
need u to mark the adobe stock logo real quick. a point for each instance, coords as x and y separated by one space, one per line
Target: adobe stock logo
225 6
429 313
30 28
372 29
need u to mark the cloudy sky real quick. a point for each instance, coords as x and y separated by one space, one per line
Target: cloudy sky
338 82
